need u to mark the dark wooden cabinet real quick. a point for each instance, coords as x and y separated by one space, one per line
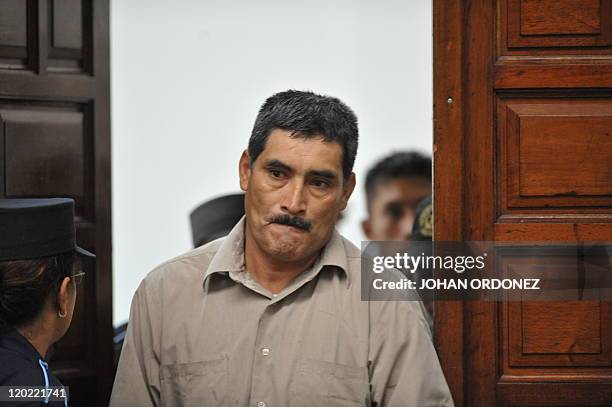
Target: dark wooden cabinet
55 141
523 153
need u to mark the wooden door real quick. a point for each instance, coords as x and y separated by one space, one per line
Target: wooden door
523 152
55 141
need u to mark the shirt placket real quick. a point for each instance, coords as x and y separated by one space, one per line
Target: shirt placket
262 387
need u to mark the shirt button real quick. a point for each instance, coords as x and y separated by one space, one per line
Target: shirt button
265 352
261 404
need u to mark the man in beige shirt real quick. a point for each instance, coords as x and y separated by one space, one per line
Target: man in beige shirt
272 315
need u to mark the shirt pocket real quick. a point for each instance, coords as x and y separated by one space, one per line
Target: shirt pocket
320 383
194 384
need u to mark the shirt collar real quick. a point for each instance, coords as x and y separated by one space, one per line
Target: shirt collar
16 342
230 255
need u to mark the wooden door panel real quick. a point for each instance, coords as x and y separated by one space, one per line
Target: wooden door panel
553 395
48 152
70 32
538 228
562 17
551 333
55 141
558 331
548 335
16 34
549 27
517 73
554 153
528 109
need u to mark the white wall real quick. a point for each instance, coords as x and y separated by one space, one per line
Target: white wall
189 76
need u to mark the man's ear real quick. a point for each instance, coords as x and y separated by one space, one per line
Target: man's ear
244 170
349 187
366 226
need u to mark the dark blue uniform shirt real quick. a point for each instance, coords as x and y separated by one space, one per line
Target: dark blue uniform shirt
22 365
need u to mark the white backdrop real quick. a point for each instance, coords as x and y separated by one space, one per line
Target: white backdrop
189 76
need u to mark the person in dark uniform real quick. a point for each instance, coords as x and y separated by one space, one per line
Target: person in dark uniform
215 218
39 270
422 232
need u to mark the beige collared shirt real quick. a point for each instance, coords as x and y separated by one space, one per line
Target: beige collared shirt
203 333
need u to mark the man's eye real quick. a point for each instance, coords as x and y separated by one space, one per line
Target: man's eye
276 174
395 210
320 183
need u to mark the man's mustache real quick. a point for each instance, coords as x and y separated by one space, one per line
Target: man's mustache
295 221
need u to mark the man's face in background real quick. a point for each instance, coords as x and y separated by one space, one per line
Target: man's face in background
392 208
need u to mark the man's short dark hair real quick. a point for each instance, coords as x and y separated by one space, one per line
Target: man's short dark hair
407 164
307 114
